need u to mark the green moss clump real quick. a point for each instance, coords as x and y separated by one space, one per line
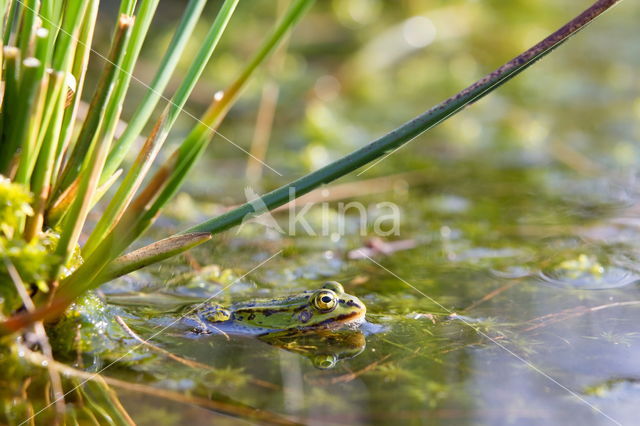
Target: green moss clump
14 206
34 261
84 327
31 260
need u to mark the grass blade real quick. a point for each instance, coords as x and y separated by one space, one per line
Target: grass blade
11 16
27 116
153 253
3 12
165 71
76 216
51 14
42 175
109 112
68 34
99 104
78 71
11 86
30 11
140 167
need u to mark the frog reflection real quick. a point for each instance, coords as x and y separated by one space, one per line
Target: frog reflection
324 348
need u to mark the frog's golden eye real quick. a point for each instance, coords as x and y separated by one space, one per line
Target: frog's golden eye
325 300
325 362
335 286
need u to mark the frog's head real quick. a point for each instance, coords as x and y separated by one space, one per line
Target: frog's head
330 306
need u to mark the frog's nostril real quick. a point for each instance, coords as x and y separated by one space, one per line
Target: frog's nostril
304 316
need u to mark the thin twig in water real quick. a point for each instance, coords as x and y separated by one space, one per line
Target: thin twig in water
184 361
229 407
491 295
43 341
130 332
379 247
549 319
24 396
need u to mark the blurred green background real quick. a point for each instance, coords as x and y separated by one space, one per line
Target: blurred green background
355 69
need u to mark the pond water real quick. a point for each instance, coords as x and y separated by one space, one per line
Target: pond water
525 314
510 294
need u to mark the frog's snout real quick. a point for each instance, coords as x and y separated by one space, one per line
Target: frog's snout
358 308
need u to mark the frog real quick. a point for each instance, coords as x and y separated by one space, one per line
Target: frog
328 308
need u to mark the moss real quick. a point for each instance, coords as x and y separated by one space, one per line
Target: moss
34 261
14 206
84 327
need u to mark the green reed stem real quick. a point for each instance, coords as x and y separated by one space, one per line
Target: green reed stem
31 143
67 35
159 83
99 105
27 117
11 16
183 159
125 71
109 113
43 172
29 13
11 88
61 52
13 22
92 166
51 14
42 47
78 71
4 5
127 7
153 253
154 142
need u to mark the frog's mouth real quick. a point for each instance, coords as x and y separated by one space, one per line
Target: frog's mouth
355 319
351 320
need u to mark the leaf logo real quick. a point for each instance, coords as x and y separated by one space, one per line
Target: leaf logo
260 214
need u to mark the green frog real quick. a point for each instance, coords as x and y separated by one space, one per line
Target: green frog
328 307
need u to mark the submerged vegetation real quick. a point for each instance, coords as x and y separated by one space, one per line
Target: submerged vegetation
63 161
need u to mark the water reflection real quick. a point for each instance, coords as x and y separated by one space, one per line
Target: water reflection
324 348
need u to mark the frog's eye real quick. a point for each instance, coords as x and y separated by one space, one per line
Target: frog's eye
324 362
325 300
335 286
